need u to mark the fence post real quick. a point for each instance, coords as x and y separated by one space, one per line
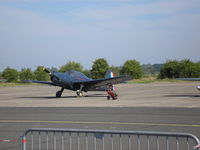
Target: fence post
24 142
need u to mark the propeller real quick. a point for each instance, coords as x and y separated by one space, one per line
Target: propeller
47 71
54 78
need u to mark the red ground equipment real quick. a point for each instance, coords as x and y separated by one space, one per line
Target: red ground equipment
111 93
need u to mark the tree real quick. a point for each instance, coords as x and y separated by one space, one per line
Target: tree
99 68
26 74
132 68
196 68
87 73
71 65
116 70
148 69
189 69
53 69
40 74
171 69
180 69
11 75
157 68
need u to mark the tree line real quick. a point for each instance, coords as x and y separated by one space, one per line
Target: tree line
170 69
180 69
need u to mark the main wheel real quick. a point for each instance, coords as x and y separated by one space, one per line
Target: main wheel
79 94
58 94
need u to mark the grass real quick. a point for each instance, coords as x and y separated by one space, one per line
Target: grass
10 84
147 80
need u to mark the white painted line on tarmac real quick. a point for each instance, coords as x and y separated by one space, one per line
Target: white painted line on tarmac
104 123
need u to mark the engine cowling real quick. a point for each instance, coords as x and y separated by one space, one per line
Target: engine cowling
54 79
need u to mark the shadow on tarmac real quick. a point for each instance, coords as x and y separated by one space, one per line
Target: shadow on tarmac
183 95
53 97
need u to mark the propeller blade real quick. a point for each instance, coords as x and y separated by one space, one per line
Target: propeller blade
47 71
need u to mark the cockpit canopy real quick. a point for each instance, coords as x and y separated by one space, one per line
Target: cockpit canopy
77 75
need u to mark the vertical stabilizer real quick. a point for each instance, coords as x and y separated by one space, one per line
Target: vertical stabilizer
109 74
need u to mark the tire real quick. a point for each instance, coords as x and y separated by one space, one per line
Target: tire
79 94
58 94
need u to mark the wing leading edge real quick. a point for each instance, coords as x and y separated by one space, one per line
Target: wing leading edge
106 81
41 82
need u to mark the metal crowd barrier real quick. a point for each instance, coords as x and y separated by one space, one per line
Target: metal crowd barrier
81 139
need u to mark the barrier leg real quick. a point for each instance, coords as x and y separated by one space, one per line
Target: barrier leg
24 143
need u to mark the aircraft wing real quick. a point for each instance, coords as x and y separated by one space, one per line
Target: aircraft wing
189 79
104 82
41 82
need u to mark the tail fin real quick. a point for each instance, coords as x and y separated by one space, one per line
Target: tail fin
109 74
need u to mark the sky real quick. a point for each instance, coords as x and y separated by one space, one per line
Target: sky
53 32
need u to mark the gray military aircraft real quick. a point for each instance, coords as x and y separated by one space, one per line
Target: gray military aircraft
191 79
77 81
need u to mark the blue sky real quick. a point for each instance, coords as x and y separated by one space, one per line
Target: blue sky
51 33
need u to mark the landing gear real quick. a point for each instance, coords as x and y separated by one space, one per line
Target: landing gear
79 93
59 93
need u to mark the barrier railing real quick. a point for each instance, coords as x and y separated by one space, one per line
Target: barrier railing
81 139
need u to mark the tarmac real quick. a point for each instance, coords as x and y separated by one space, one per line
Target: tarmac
183 95
169 107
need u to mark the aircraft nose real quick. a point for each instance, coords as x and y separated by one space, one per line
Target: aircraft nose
54 78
